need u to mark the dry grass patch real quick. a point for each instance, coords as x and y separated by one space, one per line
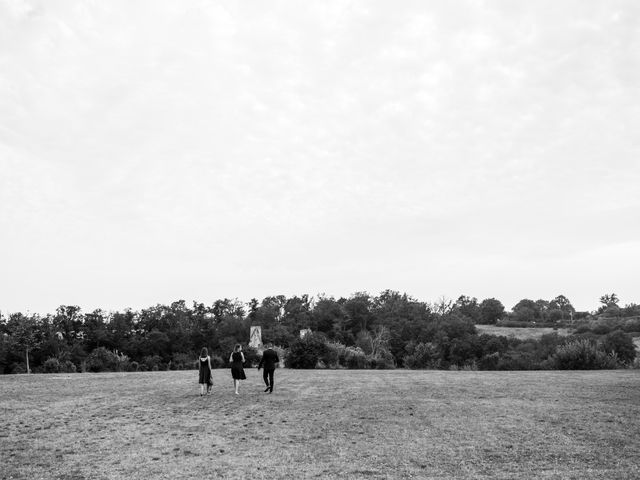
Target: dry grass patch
323 424
522 333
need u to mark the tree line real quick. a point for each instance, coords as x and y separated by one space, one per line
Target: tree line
388 330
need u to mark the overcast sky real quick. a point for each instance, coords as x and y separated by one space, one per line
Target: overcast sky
157 150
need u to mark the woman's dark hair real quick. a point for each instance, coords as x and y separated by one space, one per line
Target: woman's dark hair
237 347
204 352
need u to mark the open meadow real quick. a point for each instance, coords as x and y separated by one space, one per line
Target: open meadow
522 333
323 424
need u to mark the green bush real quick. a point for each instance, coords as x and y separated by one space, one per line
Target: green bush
582 354
153 363
601 329
582 329
489 361
216 362
54 365
423 355
621 344
67 366
19 368
382 361
182 361
51 365
331 358
102 360
307 351
631 325
340 355
251 357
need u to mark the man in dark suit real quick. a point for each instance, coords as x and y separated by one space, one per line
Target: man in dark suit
269 360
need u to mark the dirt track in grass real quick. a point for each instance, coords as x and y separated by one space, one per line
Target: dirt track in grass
323 424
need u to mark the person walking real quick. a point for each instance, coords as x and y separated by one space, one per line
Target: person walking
204 372
237 371
269 360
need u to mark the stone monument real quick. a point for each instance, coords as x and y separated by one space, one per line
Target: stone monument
304 332
255 338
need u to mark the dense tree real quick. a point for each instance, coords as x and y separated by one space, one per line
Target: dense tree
468 306
360 331
563 305
358 312
621 344
24 333
328 317
491 310
609 305
526 311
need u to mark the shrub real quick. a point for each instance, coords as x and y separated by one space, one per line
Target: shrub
424 355
384 360
355 359
152 362
621 344
464 350
340 355
631 325
307 351
582 354
489 361
216 362
493 344
518 360
67 366
51 365
19 368
101 360
182 361
331 358
251 357
601 329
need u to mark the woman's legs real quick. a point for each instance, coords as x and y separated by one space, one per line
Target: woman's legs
236 384
201 389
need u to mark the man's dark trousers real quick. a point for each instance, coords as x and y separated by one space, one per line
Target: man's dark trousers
267 374
268 360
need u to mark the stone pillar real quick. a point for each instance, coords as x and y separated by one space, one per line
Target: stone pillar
255 338
304 332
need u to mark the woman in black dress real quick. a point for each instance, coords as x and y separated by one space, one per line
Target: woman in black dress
237 371
204 371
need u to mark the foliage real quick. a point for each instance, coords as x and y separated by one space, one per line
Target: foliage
153 363
183 361
582 354
621 344
491 310
251 356
422 355
361 331
102 360
346 356
216 361
307 351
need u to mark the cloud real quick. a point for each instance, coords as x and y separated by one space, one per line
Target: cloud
294 142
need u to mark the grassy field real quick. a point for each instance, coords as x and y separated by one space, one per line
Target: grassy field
323 424
523 333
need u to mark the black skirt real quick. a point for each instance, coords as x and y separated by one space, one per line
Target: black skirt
237 372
